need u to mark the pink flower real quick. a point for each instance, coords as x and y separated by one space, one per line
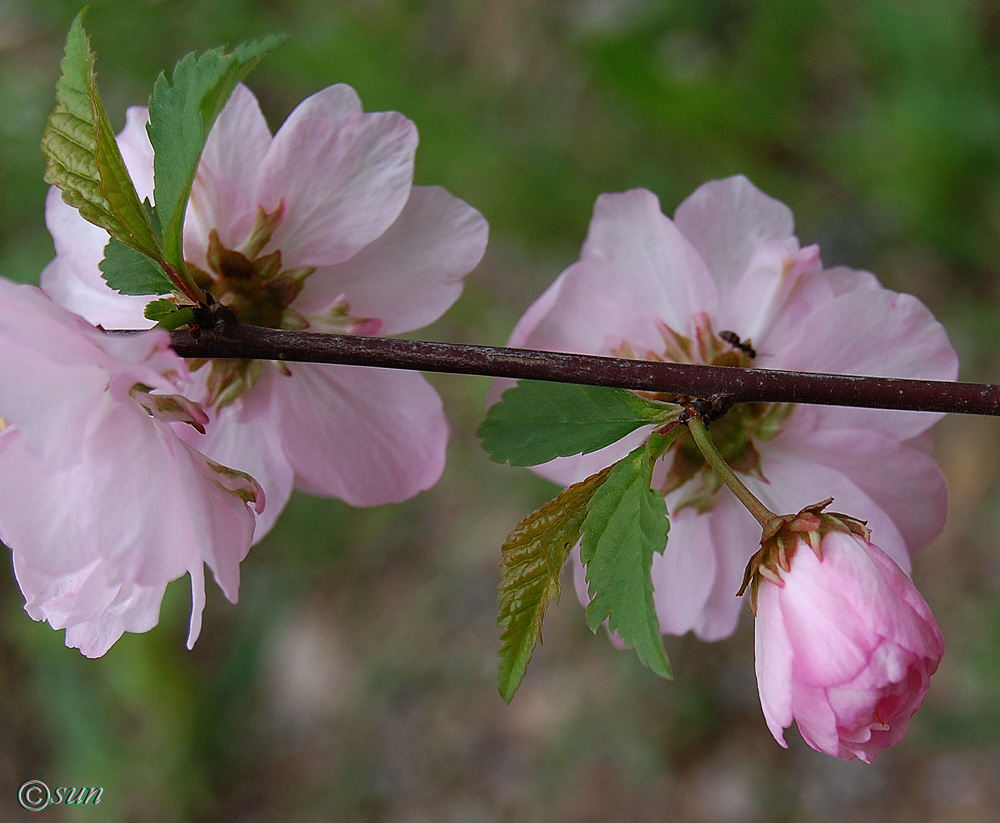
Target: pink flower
845 646
318 227
653 288
101 502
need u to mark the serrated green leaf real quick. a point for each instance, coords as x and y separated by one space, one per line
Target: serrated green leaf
169 315
83 156
533 556
181 113
131 272
535 422
157 310
626 523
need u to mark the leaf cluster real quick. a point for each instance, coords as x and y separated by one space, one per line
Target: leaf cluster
145 252
617 519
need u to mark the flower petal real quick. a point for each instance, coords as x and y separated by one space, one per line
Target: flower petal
726 220
222 197
795 483
875 332
773 663
903 472
366 436
343 183
73 277
244 436
410 275
655 270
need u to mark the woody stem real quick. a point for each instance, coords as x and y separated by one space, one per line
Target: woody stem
722 384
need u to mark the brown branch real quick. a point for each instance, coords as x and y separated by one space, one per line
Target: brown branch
723 384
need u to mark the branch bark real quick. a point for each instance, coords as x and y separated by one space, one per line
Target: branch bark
720 384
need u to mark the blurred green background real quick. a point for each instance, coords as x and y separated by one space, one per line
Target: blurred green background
355 679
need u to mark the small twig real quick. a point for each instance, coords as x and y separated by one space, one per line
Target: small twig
719 384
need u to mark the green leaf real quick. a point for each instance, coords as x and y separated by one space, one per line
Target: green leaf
169 315
181 113
83 157
535 422
626 523
131 272
533 556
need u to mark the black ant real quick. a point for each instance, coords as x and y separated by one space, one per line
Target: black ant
211 318
733 339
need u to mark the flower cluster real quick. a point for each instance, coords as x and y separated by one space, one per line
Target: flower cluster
123 468
727 283
101 501
317 227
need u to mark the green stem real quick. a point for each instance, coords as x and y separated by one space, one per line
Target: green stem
762 514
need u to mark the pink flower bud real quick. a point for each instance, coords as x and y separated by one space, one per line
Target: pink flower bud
845 646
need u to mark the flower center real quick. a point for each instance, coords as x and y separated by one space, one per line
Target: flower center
260 291
734 433
256 287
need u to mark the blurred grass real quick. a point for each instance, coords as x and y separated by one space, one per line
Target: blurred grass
355 680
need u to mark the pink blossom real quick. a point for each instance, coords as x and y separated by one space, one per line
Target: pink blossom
317 227
101 502
649 287
845 646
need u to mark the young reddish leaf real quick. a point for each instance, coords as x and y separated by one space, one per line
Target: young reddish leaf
533 556
83 157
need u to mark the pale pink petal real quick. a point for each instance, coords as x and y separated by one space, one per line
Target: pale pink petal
773 662
332 103
366 436
636 254
136 609
683 575
875 332
655 270
766 304
73 278
410 275
919 633
222 197
734 538
93 612
343 183
726 220
795 484
903 472
244 436
816 721
843 280
65 599
33 512
197 603
218 517
137 151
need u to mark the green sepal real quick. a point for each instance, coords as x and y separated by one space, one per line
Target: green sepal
182 111
131 272
534 554
626 524
535 421
83 157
